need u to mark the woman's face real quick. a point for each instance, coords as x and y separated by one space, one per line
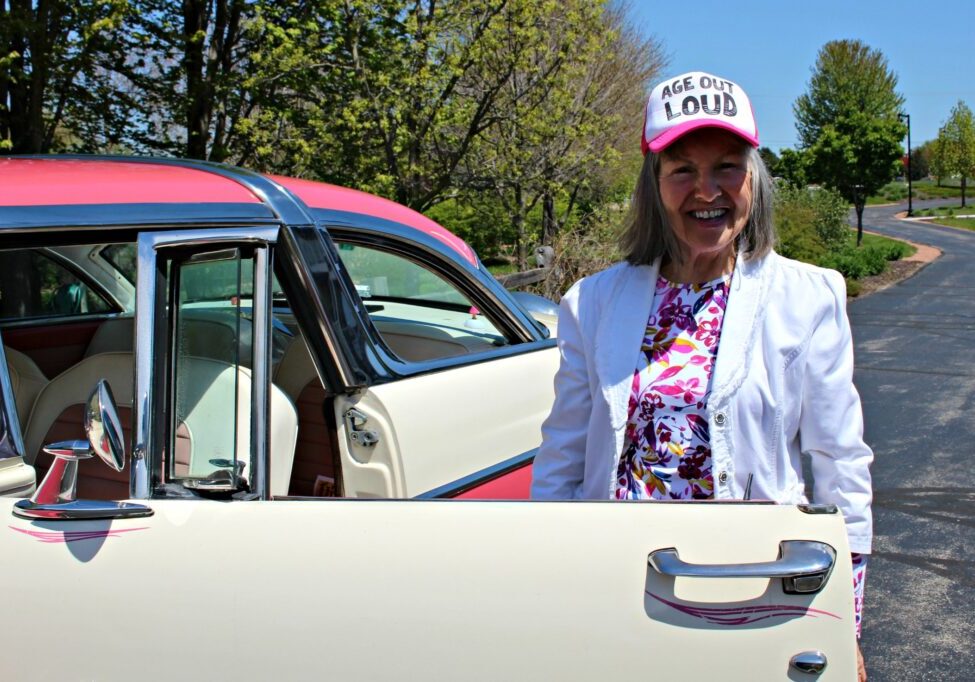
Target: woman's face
706 189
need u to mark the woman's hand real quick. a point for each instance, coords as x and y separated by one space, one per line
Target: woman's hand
861 668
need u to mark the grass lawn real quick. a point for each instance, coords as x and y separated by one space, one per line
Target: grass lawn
967 223
923 189
878 240
949 211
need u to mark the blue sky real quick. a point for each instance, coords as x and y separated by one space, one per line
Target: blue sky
769 48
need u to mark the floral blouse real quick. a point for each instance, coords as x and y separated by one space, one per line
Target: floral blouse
667 444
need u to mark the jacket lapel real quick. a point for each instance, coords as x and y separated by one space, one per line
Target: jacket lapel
746 301
620 335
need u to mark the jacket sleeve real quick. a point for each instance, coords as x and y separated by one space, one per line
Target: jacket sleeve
831 421
559 466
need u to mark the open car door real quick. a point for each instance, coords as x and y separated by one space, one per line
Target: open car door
354 589
205 575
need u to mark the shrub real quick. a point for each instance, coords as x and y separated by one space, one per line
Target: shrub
859 262
810 222
587 248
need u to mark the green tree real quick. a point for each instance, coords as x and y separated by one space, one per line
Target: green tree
955 150
792 167
577 79
56 67
847 122
920 162
770 158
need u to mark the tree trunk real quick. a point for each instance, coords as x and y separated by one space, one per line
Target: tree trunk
859 209
197 118
549 223
964 182
518 222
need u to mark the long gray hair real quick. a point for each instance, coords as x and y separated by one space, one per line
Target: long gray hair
648 236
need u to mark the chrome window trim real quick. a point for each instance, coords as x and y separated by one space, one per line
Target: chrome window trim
148 360
10 410
478 478
261 374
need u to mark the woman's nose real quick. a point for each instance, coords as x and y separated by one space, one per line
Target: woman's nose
706 187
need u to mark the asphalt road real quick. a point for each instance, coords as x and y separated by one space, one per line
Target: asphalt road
915 372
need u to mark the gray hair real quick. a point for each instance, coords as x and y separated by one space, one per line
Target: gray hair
647 235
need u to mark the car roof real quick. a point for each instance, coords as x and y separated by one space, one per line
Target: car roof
79 181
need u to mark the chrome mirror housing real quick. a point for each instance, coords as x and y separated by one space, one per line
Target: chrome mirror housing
103 426
55 496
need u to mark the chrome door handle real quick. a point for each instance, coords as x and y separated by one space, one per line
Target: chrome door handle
804 566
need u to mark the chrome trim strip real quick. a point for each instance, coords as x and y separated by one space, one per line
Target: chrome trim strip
462 485
261 375
10 409
145 358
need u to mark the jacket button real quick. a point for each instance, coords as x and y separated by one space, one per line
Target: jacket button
723 477
719 418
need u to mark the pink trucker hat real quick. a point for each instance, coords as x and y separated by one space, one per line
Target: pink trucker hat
696 100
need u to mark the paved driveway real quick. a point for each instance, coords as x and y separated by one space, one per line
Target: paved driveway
915 368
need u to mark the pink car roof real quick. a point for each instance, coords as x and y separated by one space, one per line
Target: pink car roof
73 181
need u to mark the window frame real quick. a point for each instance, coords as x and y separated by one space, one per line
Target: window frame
45 320
480 288
154 353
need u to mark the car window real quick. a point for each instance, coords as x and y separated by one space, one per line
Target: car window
211 387
419 314
122 257
35 286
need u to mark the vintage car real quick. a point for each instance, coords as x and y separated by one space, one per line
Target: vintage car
259 427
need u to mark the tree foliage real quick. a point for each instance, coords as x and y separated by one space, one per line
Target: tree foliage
955 146
56 65
525 108
848 122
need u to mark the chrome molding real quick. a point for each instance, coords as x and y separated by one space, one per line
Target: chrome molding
261 375
478 478
80 510
803 565
10 410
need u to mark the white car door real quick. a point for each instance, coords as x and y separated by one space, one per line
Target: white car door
353 589
242 586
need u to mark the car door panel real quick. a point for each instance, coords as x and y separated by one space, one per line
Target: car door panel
54 347
475 590
452 423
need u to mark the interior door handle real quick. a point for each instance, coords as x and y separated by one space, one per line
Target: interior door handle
803 565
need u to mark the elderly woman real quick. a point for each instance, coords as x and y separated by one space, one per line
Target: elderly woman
706 363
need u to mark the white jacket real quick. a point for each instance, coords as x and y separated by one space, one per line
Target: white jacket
782 385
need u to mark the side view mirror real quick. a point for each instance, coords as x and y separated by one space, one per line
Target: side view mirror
103 426
55 496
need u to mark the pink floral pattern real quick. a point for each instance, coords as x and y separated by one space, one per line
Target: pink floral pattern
667 451
859 582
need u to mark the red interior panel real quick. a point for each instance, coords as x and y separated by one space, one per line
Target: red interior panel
514 485
53 347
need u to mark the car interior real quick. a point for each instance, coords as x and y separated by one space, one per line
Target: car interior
67 320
